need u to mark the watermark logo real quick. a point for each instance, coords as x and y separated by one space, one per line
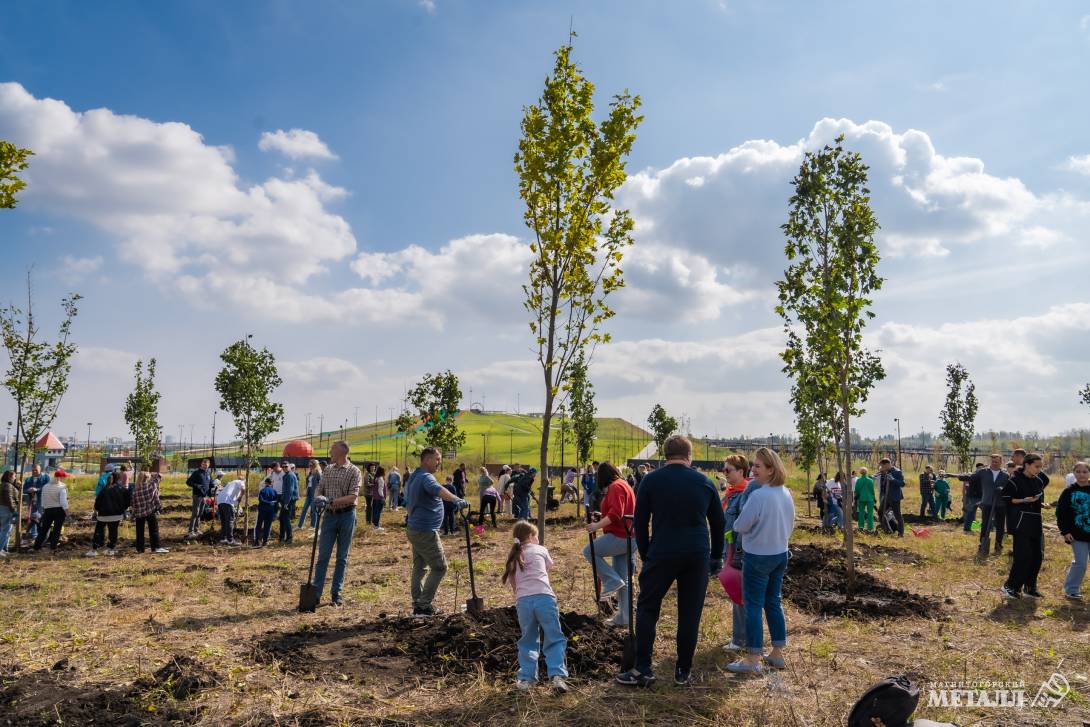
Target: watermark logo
997 694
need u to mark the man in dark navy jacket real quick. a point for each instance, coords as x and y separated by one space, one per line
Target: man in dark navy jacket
682 508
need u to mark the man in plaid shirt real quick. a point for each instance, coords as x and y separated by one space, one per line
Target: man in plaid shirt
340 483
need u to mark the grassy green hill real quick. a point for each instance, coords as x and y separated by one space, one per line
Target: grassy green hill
490 437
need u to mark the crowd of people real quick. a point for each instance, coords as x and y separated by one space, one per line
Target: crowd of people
680 527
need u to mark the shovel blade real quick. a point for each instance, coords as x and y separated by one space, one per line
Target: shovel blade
308 598
475 607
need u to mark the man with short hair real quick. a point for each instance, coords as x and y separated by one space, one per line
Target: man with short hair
277 477
340 484
424 498
227 500
891 484
288 495
32 494
927 491
200 480
679 506
993 512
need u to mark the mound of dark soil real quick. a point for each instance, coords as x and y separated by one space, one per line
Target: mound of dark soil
914 519
816 581
181 677
453 644
51 697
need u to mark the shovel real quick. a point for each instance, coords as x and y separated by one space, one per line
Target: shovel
308 592
603 607
475 605
628 655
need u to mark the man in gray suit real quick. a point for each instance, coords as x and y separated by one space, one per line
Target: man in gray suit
993 513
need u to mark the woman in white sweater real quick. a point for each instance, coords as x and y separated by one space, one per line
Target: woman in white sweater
766 522
54 511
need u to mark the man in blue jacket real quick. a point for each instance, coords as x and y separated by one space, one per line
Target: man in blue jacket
32 493
289 493
891 482
682 509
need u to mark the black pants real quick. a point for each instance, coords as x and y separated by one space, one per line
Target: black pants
450 526
227 521
656 576
287 517
376 512
488 502
1028 554
992 516
367 509
100 531
52 520
153 530
899 528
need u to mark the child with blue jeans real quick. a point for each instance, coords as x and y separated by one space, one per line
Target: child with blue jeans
268 504
527 572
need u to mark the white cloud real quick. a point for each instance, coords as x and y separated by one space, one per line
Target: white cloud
428 5
1080 164
174 203
1084 23
323 372
105 360
295 144
75 268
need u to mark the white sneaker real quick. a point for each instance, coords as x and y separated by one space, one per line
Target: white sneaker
558 683
111 551
223 541
380 530
3 554
733 647
92 553
523 686
162 550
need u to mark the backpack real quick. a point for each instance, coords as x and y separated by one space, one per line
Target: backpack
893 700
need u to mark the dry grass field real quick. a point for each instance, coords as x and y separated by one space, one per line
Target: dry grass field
209 635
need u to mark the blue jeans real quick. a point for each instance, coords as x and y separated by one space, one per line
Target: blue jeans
30 506
1080 552
520 508
308 505
539 614
834 516
762 580
738 623
7 520
395 496
337 527
614 576
263 526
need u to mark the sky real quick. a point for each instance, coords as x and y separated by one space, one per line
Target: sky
336 179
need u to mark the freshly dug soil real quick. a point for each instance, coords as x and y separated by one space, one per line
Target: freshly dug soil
450 644
816 581
914 519
52 697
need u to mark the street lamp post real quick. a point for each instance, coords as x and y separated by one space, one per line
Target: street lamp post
214 437
898 421
87 452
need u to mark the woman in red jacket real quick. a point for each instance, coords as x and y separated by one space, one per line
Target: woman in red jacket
619 500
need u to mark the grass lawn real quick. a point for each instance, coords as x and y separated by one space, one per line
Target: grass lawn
490 437
187 637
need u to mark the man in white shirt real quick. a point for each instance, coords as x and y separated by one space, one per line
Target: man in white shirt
277 476
226 501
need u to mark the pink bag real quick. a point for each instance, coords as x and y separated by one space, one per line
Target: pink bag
731 578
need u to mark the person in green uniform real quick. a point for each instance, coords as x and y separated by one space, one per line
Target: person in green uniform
864 498
942 496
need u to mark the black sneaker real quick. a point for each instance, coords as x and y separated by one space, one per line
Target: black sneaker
682 677
1035 594
633 678
425 611
1010 593
337 601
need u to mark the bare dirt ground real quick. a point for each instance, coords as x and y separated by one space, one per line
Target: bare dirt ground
209 635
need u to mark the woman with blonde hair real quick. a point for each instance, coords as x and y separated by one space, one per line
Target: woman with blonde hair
489 496
766 522
314 476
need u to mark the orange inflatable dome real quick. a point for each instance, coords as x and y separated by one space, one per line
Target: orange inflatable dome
298 448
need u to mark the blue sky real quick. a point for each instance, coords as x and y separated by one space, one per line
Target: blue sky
418 105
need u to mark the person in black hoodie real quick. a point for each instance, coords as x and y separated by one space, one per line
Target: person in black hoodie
1073 519
110 507
1024 493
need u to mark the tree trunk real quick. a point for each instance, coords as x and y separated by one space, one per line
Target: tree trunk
18 480
543 490
246 491
846 485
